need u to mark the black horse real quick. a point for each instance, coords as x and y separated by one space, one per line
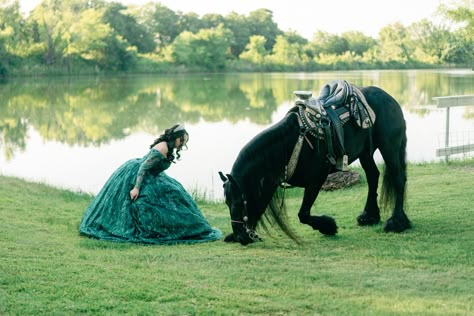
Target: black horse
262 166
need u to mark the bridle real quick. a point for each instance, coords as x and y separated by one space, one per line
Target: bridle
251 233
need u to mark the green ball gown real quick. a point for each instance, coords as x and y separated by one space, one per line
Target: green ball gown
163 213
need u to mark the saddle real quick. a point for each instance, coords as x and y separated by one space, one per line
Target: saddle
325 116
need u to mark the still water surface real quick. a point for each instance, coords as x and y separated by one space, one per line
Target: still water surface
74 132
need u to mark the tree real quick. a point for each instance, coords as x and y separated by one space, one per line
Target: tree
86 37
358 42
71 30
255 51
56 21
52 26
394 44
293 37
208 48
190 22
261 23
6 32
460 50
212 20
430 43
239 27
12 35
461 12
286 53
160 21
326 43
11 22
124 24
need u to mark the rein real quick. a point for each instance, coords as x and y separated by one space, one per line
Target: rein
251 233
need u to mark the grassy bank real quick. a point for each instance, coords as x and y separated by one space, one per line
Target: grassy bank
47 268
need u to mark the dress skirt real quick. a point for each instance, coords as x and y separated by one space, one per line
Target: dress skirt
163 213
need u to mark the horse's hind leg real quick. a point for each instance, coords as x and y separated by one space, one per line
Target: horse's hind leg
325 224
371 213
394 186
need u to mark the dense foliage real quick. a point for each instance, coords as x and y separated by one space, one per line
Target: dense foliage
88 36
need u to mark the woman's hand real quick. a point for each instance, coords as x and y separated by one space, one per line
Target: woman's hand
134 194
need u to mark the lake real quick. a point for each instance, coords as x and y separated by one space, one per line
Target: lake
74 132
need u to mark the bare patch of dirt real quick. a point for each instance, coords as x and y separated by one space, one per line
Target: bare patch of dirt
341 179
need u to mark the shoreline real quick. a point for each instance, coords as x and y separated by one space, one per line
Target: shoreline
200 196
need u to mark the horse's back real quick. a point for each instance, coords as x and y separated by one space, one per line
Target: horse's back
387 110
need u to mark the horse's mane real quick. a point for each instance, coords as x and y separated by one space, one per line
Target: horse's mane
265 156
259 152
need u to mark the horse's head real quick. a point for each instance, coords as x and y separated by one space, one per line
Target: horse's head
243 228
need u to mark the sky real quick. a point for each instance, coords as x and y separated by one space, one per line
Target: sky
308 16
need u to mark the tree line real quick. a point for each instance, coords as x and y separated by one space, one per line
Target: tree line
96 36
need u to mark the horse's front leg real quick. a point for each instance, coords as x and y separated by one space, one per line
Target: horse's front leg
371 213
325 224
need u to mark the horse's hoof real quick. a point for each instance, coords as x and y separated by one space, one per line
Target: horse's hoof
364 219
230 238
397 225
327 225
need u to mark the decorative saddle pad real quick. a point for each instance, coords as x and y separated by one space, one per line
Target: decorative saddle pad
338 94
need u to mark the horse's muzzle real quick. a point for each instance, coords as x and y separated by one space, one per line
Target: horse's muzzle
241 235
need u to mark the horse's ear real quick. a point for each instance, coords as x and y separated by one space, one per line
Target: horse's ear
231 179
223 178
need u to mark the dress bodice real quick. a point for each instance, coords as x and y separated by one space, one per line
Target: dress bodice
152 163
155 161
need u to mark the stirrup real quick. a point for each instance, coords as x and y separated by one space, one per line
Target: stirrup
342 163
331 159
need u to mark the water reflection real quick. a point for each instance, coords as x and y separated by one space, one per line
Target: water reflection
87 113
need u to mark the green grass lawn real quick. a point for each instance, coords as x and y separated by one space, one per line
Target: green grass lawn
47 268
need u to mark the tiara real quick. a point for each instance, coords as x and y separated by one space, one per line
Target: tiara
178 128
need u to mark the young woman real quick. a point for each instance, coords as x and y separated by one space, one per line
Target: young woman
140 203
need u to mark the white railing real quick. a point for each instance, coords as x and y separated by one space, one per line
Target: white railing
448 102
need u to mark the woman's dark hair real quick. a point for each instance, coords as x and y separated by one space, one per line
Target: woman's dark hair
170 135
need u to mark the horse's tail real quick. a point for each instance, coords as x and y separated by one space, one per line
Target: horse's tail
276 213
391 173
